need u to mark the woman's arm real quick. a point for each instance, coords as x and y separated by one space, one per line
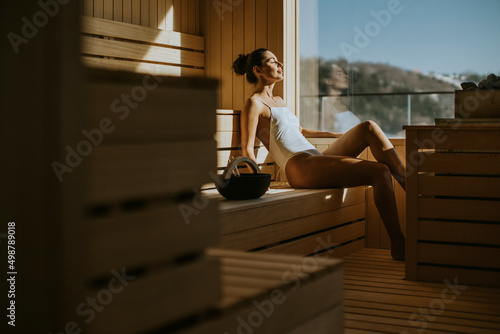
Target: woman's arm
249 119
308 133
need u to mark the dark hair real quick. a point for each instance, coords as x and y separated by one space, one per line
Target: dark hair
244 64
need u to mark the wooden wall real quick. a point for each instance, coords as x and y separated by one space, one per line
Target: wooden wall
181 16
234 27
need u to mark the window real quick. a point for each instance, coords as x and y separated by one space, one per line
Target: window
393 61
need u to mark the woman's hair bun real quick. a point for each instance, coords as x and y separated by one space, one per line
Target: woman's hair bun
239 65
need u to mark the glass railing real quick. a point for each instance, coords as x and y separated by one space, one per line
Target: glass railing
390 110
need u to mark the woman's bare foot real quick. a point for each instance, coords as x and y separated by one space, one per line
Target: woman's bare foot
398 250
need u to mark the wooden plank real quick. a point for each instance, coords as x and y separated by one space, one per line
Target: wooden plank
228 122
299 304
411 250
465 276
459 186
118 10
153 13
216 49
163 11
184 17
144 13
192 17
142 34
121 173
136 12
310 246
141 52
459 255
284 205
249 39
170 293
108 9
88 7
261 22
226 75
149 236
127 11
150 120
459 232
177 15
459 139
458 163
145 68
98 8
275 36
459 209
329 322
281 231
238 99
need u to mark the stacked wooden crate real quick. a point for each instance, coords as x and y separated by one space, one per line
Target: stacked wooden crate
146 149
453 202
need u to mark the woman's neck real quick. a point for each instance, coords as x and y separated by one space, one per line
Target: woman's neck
264 90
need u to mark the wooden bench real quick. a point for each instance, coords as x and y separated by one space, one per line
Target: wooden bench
286 220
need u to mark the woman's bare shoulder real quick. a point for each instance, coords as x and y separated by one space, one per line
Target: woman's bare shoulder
254 105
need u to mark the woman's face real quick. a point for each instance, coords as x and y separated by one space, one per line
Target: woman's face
271 67
339 78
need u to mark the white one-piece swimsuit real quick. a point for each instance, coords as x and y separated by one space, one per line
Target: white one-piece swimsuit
285 138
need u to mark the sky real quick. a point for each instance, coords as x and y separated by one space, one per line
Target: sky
441 36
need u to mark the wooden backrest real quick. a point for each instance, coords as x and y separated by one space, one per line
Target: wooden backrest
129 47
228 138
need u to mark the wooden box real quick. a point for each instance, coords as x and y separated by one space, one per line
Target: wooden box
453 204
477 103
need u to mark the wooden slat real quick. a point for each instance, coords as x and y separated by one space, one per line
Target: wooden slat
280 231
461 209
249 39
466 276
142 52
311 245
144 12
98 8
459 186
238 37
139 67
149 236
108 10
228 122
153 13
226 76
177 11
329 322
458 163
136 12
215 48
459 255
411 251
151 120
460 139
118 10
88 7
118 173
284 204
261 23
170 294
459 232
127 12
143 34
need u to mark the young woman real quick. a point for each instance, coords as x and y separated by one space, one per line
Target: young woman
266 117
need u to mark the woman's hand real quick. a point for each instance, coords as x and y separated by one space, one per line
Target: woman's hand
308 133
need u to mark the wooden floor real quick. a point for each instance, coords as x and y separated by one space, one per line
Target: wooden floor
377 299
